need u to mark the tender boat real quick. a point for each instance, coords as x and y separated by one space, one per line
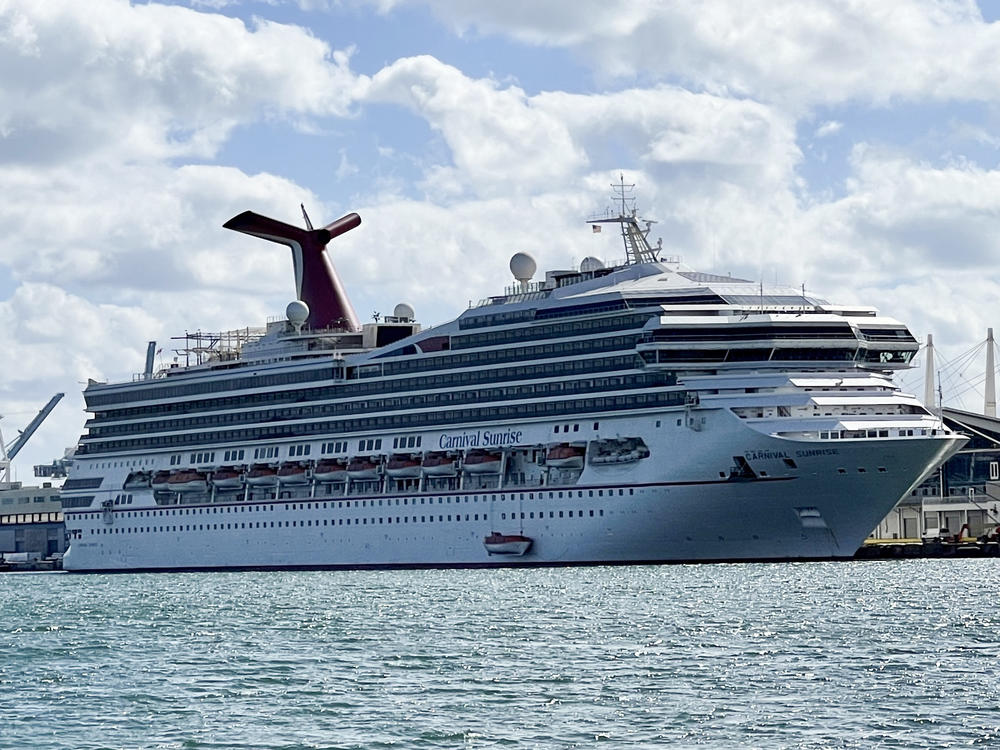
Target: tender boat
439 464
622 451
159 481
507 544
293 473
137 480
330 470
565 456
399 467
262 475
227 478
187 480
481 462
362 468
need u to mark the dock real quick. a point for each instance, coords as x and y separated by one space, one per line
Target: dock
886 549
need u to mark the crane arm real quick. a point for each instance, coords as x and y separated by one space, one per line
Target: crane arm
27 432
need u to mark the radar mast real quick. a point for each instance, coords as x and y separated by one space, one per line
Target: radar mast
637 247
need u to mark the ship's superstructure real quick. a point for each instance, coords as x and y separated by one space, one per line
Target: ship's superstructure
632 413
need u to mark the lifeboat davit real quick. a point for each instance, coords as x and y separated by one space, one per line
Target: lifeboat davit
227 478
330 470
399 467
507 544
293 473
159 481
565 456
439 464
262 475
362 468
187 480
139 480
481 462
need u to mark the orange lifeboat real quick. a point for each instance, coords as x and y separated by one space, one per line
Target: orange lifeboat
479 461
330 470
400 467
565 456
293 472
262 475
439 464
227 478
187 480
159 481
362 468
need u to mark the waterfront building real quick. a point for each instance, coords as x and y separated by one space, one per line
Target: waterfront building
31 520
964 491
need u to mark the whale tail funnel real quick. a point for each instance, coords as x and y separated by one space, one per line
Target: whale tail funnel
316 280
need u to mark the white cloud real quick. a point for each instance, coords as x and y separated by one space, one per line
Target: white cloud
794 51
495 135
828 128
504 141
151 81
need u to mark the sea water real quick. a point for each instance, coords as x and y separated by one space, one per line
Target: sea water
814 655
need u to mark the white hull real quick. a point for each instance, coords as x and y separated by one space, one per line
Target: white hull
643 512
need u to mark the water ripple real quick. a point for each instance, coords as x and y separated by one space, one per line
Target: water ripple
848 655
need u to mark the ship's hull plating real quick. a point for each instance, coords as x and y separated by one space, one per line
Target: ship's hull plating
821 509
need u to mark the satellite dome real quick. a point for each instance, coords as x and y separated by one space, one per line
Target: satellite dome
297 312
590 264
523 267
403 311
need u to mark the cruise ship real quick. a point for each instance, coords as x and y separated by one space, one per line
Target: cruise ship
628 412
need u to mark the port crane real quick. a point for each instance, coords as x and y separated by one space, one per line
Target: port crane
8 452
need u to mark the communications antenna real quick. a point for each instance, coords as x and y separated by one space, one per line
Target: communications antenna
635 238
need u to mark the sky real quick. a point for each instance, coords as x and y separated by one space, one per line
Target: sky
848 145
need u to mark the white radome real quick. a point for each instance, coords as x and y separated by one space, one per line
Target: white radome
297 312
523 266
403 311
590 264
